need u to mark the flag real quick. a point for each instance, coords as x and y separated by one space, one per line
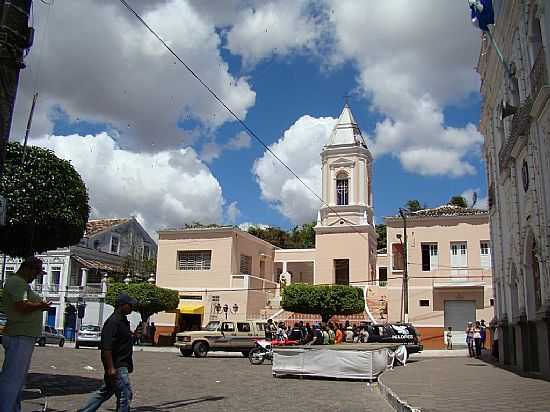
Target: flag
482 13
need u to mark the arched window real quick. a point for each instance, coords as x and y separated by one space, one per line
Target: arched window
342 188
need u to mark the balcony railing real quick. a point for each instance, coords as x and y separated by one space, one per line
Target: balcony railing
539 74
463 277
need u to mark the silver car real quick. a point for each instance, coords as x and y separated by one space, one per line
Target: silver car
88 335
51 336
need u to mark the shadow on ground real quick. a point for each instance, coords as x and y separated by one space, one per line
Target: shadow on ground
58 385
170 406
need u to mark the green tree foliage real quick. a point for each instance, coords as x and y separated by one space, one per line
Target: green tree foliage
300 237
151 299
324 300
458 201
413 205
382 241
198 225
47 202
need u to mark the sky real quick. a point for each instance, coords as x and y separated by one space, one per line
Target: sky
149 141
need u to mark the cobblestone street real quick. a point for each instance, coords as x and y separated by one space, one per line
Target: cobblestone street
465 384
169 382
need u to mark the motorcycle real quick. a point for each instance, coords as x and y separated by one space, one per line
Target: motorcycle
263 350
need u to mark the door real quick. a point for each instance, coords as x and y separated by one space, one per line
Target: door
341 271
459 259
244 336
51 317
457 315
228 334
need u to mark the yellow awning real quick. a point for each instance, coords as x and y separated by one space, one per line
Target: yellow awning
191 309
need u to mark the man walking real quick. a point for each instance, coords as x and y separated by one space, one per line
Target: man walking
24 309
116 355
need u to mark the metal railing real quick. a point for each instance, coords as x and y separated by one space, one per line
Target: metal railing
538 75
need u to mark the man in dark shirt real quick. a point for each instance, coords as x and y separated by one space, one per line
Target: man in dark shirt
269 330
116 355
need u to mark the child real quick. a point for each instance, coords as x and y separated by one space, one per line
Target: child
450 338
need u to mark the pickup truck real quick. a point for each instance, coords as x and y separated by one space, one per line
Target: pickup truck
227 336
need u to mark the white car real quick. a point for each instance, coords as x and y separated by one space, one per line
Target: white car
88 335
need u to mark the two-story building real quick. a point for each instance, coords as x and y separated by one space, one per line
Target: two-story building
78 274
449 271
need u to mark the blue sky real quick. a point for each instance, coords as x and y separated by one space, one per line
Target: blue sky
282 65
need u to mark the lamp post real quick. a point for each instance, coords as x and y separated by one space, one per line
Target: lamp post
226 309
403 213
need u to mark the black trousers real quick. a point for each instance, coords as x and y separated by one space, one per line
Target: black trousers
477 343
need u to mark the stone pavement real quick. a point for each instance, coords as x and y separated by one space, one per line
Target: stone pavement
168 382
464 384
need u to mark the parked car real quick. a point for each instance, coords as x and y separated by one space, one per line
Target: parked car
3 323
403 333
225 336
88 335
50 336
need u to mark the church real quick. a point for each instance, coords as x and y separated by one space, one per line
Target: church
226 273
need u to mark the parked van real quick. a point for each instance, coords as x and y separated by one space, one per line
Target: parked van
227 336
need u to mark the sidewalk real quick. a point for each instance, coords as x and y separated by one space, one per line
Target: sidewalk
462 384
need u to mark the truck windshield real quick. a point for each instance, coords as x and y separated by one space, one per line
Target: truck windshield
212 326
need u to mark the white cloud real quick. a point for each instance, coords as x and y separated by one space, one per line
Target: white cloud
240 141
414 59
165 189
300 149
108 68
232 213
270 28
481 203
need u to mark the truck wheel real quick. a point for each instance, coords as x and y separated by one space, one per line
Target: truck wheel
200 349
42 342
76 345
245 353
186 352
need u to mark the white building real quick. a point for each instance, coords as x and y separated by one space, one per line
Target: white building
515 121
78 274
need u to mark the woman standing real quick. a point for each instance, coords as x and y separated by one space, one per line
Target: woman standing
470 339
477 339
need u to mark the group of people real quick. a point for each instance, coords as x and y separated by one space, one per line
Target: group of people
476 335
144 333
328 333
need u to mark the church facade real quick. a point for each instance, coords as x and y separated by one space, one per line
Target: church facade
231 269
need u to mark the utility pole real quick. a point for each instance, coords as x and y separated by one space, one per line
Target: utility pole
403 214
15 38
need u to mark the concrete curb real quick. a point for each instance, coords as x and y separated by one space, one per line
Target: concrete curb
396 403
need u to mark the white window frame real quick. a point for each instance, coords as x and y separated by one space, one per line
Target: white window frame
117 237
56 269
393 256
485 253
433 255
383 283
194 260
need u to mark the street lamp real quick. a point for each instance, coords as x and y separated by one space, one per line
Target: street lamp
233 310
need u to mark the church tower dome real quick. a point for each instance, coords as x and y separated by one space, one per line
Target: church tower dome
347 172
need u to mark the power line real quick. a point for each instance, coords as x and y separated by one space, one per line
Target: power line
250 132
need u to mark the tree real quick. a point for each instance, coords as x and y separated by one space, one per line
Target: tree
324 300
301 237
151 299
458 201
273 235
413 205
47 202
382 241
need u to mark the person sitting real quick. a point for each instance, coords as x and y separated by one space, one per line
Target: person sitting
281 332
317 335
324 330
331 334
349 334
339 335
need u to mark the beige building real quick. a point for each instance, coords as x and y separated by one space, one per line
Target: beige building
449 269
515 121
222 268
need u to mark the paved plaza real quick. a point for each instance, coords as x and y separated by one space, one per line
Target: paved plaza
465 384
165 381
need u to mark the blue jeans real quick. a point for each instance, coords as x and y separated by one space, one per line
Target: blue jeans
17 359
121 388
